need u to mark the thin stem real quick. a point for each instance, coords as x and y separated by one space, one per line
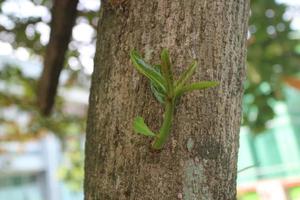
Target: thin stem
166 126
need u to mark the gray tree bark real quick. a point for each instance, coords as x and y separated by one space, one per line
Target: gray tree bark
199 160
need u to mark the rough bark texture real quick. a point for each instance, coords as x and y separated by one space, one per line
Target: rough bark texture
199 160
63 18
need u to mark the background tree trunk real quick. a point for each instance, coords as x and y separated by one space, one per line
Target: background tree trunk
199 160
63 18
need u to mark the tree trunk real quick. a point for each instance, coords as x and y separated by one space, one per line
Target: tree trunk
199 159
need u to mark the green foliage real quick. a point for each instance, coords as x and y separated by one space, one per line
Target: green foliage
165 90
195 86
139 126
71 170
186 75
19 93
18 90
248 196
149 71
271 56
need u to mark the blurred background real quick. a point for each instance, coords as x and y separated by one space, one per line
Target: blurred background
42 154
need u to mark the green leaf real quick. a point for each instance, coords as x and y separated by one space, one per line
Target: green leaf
157 68
147 70
166 69
186 75
196 86
139 126
158 94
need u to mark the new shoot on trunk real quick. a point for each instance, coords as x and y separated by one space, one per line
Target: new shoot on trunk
166 91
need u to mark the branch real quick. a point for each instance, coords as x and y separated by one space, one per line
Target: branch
63 19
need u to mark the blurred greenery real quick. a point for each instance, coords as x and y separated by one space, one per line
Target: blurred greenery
71 170
248 196
294 192
19 93
18 89
273 54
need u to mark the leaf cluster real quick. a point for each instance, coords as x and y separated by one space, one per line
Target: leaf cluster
166 90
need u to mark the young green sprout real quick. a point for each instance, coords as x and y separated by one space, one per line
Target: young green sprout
166 91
